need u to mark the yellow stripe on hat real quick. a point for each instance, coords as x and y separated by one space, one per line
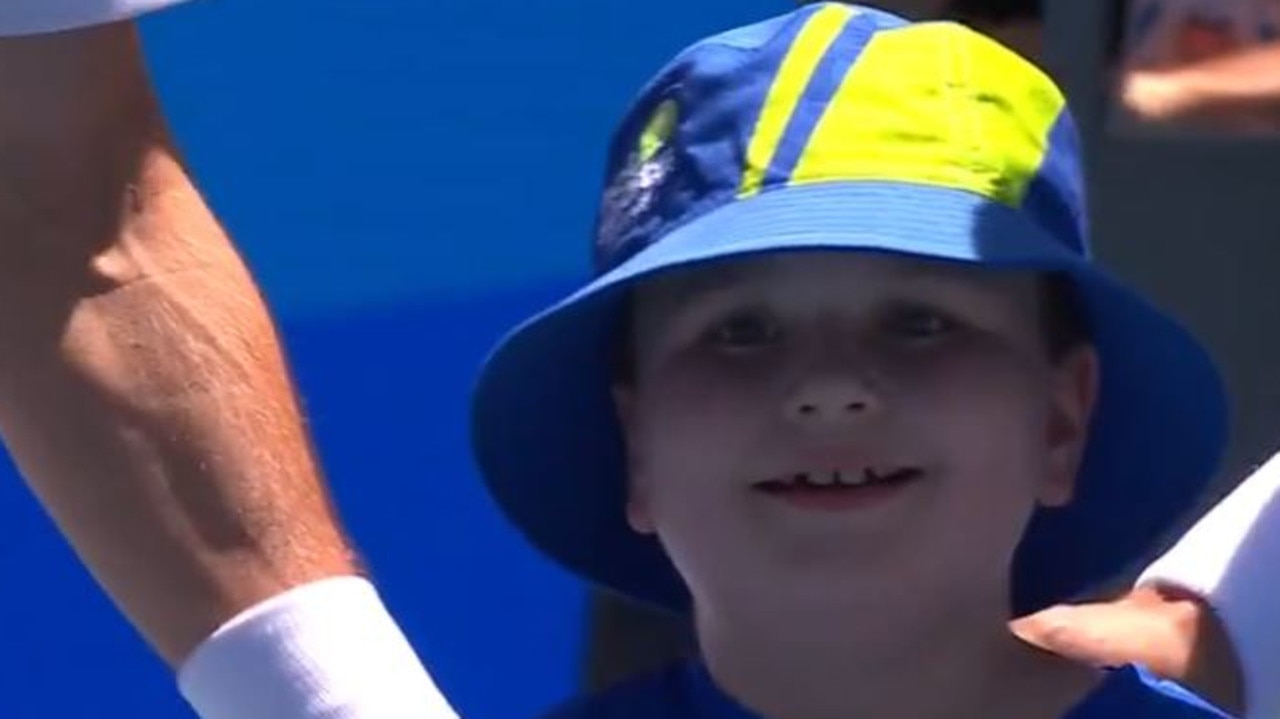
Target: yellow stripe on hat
658 132
811 43
940 104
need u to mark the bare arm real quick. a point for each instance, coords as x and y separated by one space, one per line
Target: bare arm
143 393
1241 85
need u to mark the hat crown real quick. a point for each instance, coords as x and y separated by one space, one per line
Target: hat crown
839 93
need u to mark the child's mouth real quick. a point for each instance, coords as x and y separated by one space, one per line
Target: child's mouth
838 490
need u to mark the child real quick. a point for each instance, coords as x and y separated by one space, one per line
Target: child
847 388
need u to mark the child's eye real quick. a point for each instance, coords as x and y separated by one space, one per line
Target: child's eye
744 331
918 323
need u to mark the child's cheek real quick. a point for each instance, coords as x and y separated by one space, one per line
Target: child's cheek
716 376
696 393
967 374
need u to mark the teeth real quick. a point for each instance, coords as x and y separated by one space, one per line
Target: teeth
823 479
850 479
836 478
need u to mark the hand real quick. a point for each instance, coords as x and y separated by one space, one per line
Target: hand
1175 635
1156 95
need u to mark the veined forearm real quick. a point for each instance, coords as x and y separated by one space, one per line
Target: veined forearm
143 391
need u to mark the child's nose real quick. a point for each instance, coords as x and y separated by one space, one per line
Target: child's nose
831 398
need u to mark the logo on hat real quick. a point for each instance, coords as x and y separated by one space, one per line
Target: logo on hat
633 189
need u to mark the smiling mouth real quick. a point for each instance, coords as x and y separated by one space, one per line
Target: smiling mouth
838 481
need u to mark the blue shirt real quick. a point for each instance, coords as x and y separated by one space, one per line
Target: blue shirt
686 691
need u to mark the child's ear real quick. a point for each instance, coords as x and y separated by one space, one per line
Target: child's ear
638 515
1075 393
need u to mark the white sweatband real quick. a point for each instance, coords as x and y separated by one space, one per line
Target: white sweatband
1231 558
327 650
29 17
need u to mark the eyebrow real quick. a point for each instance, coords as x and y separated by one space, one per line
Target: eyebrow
679 287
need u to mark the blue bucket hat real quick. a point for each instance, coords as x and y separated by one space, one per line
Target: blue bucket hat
843 128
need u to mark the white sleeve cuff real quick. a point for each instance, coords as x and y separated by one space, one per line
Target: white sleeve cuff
1231 558
29 17
327 650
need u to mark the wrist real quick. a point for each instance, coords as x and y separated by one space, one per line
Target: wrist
327 650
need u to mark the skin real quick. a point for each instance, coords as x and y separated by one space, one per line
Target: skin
131 324
1174 634
805 362
143 391
1238 91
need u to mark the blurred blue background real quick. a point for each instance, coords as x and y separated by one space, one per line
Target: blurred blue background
406 179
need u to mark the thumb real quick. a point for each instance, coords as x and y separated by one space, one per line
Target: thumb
1068 630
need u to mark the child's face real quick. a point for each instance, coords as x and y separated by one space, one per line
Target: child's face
754 382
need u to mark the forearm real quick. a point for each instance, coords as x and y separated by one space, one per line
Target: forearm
1245 81
143 393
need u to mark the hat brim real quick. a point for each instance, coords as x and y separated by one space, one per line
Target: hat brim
547 441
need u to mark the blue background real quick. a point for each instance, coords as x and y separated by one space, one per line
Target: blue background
406 179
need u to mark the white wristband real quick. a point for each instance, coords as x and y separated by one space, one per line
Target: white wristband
29 17
1231 558
328 650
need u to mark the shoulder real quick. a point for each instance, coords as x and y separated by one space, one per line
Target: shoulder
664 694
1132 692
